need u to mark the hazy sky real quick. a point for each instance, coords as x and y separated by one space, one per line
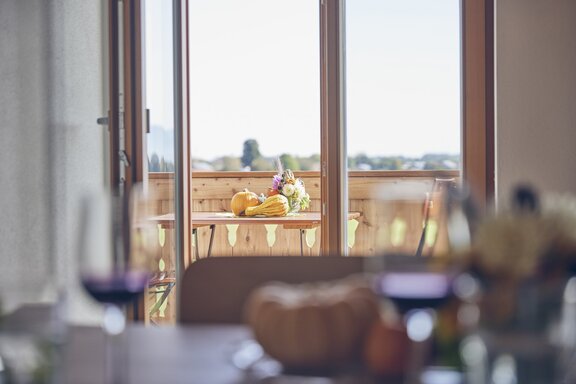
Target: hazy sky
254 67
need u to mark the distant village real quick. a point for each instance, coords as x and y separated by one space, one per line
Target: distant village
252 160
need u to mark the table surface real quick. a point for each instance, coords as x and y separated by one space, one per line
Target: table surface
202 219
181 354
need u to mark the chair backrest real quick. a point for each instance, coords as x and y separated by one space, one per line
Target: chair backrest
214 290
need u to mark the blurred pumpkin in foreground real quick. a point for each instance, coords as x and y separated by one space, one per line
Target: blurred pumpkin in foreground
312 325
242 200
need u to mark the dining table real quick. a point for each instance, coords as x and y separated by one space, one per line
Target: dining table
191 354
180 354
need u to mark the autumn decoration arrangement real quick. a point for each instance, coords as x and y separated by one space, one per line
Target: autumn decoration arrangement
286 195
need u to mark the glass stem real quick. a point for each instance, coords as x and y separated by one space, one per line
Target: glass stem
114 321
113 325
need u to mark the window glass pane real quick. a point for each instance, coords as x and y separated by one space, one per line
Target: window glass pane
160 300
254 82
403 111
403 84
159 85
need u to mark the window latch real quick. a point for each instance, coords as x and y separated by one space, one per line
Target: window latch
102 120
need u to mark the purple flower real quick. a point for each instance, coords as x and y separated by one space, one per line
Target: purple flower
276 181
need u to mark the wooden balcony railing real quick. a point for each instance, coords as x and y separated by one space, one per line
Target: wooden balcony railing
400 220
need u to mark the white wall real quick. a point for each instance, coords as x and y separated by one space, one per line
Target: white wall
536 94
51 150
25 246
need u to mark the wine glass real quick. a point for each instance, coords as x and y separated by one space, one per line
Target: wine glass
115 237
418 277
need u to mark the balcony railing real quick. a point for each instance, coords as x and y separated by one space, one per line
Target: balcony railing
212 191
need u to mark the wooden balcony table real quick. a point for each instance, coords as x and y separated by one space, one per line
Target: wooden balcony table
301 221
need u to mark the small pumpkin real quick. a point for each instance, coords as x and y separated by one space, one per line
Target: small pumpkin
242 200
312 325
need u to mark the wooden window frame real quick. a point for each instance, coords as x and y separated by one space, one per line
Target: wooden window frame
126 44
334 169
126 116
182 169
478 160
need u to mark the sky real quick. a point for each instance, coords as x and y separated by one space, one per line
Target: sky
254 73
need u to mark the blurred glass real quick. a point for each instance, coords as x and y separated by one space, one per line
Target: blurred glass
31 344
417 270
115 250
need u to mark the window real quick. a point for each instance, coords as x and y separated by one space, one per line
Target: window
275 72
403 114
403 84
253 95
254 85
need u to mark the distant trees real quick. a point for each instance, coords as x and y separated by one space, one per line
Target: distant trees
154 164
159 164
250 153
252 159
289 162
391 163
230 163
263 164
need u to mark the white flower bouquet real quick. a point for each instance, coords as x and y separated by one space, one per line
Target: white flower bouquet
285 183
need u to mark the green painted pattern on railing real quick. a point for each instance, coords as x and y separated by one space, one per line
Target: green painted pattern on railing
232 228
398 232
352 226
311 237
161 235
271 234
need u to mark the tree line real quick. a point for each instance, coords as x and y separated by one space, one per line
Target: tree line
253 160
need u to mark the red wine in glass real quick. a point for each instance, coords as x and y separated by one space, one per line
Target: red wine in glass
414 290
117 288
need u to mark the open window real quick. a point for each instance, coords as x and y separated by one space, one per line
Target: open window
327 86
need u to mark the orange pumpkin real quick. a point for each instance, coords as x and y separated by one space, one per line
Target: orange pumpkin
312 325
242 200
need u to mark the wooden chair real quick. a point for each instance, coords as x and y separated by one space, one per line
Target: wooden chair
214 290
